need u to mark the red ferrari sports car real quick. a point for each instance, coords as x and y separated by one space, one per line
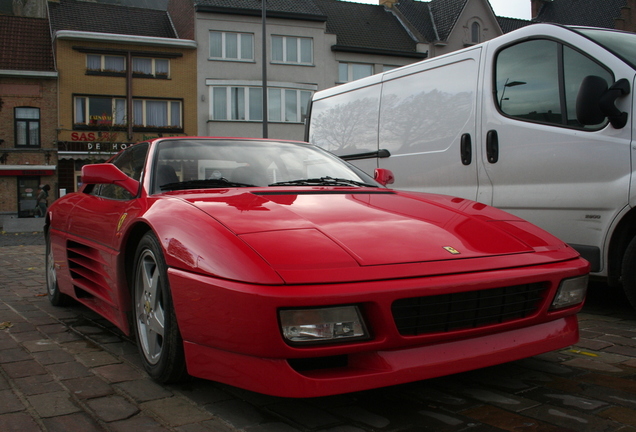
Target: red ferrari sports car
277 267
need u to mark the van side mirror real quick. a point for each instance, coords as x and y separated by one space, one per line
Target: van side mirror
107 173
595 101
383 176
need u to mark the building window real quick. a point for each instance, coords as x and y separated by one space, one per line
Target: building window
157 114
231 46
246 104
475 32
288 49
96 111
27 127
105 63
151 67
353 71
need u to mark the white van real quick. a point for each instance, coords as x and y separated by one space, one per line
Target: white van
538 122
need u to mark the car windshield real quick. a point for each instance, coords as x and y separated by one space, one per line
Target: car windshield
622 44
218 163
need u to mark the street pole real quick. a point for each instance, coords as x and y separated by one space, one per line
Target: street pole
264 60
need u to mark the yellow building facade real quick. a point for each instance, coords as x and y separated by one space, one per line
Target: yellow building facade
116 90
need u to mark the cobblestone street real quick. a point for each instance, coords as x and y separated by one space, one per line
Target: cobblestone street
66 369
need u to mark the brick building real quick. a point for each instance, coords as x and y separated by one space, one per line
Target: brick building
124 77
28 114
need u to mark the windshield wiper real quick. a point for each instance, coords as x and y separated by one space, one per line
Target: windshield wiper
322 181
206 183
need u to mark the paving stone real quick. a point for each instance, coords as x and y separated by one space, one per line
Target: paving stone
594 365
112 408
38 384
18 422
140 424
88 387
509 421
72 423
144 390
34 346
53 404
14 355
612 382
272 427
176 411
593 344
238 413
69 370
312 417
620 414
571 419
23 369
10 402
53 357
358 415
80 345
96 358
118 372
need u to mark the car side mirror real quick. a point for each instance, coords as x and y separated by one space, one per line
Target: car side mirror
383 176
107 173
595 101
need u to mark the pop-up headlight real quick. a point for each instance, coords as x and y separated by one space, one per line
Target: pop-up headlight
330 324
570 293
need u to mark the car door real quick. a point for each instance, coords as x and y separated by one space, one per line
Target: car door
98 217
539 162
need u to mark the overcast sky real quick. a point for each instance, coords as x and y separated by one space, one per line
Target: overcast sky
506 8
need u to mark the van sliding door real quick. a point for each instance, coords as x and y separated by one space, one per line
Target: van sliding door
427 122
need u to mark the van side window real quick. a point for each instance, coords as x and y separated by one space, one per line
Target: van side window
539 80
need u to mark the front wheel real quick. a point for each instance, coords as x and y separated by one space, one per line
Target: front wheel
56 297
629 272
155 323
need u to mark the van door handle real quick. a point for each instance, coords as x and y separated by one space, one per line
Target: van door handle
466 149
492 146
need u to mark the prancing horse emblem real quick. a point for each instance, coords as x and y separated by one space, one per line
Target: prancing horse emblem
452 250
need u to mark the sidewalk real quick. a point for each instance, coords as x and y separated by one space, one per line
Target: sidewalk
67 369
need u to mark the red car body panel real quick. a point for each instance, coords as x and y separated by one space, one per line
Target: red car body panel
236 256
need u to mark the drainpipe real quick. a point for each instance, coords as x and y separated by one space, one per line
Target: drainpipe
129 99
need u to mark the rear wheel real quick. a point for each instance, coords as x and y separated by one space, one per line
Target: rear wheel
155 323
55 296
629 272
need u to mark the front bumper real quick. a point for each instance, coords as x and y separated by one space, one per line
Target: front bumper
232 333
369 370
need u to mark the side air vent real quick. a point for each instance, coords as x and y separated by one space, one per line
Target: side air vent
87 269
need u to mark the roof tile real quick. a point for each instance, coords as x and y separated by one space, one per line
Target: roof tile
107 18
25 44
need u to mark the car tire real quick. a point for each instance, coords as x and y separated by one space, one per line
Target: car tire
629 272
56 297
155 324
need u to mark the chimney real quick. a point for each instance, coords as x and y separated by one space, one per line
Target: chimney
388 3
536 7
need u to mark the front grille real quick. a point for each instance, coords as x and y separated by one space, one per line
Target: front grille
466 310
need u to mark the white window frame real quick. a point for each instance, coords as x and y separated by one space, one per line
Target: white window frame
299 51
153 67
303 92
114 116
350 66
169 103
103 63
241 57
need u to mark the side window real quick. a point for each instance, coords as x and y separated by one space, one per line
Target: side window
539 80
131 162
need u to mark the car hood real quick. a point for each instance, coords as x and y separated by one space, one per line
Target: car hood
345 228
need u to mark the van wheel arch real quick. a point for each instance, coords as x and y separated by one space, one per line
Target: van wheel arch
622 236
